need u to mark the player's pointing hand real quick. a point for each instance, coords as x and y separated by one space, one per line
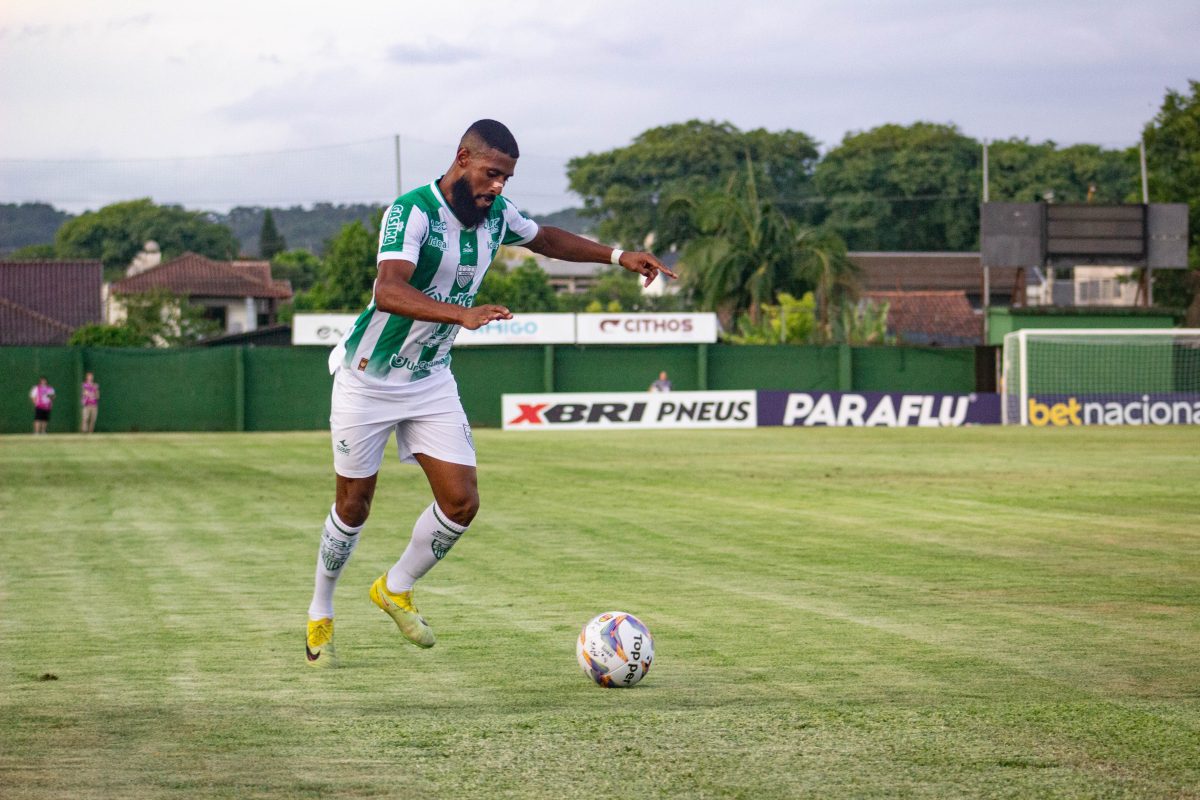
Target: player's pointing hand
645 264
477 317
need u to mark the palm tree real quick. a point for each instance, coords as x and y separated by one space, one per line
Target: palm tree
747 251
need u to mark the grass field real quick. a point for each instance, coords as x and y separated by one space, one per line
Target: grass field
837 613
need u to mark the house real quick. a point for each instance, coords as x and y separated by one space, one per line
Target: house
240 295
946 272
43 302
941 318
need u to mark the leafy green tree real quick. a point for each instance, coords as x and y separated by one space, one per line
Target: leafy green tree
299 266
33 252
158 318
748 251
523 289
863 323
627 188
792 321
348 272
116 233
1173 161
270 242
97 335
1019 171
903 188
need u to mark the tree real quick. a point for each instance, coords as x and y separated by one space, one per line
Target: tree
28 224
903 188
792 321
270 242
1019 171
33 252
627 188
748 251
524 289
155 318
300 267
347 274
1173 161
116 233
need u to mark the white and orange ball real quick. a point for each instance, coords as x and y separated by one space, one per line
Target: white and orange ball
615 649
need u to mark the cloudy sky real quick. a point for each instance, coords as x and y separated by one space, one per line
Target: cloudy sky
222 103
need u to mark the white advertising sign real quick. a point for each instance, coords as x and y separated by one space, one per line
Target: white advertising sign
659 328
326 329
522 329
629 410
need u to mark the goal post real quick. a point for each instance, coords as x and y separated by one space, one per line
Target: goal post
1101 376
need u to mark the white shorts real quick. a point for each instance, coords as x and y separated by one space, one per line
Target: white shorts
427 419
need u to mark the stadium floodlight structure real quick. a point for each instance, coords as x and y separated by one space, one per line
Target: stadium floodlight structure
1101 376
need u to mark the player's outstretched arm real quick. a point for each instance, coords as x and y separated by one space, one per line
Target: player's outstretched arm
395 295
557 243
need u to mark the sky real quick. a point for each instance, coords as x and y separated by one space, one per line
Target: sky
224 103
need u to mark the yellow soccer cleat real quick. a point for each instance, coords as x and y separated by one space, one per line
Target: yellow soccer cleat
318 645
401 609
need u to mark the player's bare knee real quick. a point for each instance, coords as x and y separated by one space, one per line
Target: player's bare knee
353 510
462 508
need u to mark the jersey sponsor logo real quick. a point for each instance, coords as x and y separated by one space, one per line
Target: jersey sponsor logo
464 300
437 242
423 365
393 226
437 226
362 364
492 226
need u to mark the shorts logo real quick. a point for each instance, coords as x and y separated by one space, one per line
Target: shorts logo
342 447
362 364
470 438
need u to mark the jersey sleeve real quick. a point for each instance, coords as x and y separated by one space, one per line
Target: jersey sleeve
518 228
403 232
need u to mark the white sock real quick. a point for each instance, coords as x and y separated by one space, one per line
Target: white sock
432 537
338 541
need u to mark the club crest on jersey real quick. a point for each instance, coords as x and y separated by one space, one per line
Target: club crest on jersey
466 273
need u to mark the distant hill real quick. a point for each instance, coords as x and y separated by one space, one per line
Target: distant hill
28 223
569 219
309 228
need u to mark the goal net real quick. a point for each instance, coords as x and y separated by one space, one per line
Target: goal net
1101 377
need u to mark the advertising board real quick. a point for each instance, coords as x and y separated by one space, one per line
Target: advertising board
629 410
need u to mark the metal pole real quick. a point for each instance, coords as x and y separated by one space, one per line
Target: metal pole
985 170
399 184
1145 178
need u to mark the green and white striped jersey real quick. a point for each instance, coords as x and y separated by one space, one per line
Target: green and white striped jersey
383 349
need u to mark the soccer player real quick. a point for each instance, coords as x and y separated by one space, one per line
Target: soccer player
392 368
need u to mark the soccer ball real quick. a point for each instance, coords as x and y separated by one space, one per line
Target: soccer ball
615 649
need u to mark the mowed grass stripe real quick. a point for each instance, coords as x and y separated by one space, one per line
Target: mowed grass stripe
839 613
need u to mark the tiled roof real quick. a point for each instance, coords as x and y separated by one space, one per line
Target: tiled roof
942 318
194 275
24 326
45 300
898 272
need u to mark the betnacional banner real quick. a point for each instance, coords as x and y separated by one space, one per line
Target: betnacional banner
326 329
629 410
1159 408
657 328
877 409
522 329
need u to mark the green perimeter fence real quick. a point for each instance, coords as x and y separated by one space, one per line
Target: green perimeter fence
287 388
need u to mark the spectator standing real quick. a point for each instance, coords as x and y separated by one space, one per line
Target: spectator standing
42 397
90 400
662 384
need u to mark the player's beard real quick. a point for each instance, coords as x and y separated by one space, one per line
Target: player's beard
462 203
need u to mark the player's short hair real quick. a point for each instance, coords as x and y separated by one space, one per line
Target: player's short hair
495 135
